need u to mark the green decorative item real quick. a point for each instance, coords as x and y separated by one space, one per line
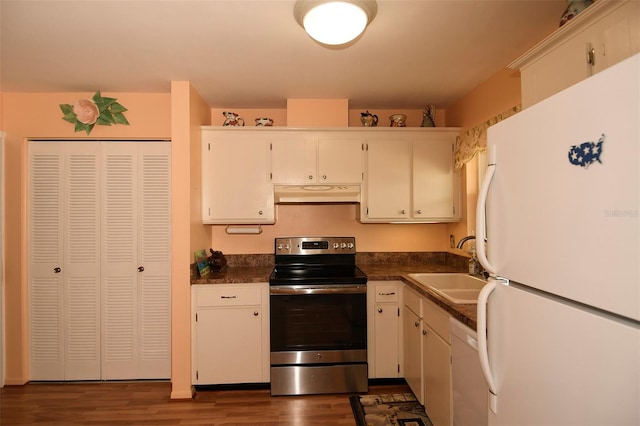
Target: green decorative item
85 113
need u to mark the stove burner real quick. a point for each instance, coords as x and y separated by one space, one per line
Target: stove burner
327 260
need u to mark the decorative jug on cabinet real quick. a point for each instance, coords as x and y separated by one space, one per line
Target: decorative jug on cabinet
368 120
398 120
264 121
232 119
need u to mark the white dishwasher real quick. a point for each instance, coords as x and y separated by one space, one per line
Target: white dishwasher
469 387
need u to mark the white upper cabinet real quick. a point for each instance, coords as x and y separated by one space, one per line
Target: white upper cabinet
310 157
409 177
602 35
388 180
405 174
435 185
236 176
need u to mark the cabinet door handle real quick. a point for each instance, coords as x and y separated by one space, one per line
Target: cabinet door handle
255 313
591 57
419 212
424 332
57 270
379 310
140 268
260 212
324 177
416 323
403 211
310 177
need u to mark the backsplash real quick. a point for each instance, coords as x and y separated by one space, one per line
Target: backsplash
365 258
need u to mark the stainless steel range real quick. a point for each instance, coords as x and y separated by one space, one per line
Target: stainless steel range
318 317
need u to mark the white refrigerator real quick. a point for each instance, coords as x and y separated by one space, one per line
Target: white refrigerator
559 211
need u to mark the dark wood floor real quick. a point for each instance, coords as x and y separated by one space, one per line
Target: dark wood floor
148 403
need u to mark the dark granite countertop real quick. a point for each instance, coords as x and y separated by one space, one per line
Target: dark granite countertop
237 274
378 267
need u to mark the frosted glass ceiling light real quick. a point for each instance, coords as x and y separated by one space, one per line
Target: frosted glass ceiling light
334 22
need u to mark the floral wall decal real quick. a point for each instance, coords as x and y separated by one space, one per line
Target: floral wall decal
85 113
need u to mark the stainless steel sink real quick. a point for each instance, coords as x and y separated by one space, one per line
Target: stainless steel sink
457 288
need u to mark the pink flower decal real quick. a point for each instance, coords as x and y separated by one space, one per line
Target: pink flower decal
101 110
86 111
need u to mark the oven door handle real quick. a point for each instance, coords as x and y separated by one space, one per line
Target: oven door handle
330 289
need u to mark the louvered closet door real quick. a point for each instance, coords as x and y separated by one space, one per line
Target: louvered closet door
64 261
136 261
154 255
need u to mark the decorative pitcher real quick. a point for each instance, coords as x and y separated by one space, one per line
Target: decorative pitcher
368 120
232 119
264 121
398 120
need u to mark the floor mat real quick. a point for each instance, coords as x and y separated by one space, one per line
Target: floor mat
388 409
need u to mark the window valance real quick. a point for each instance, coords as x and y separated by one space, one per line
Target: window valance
475 139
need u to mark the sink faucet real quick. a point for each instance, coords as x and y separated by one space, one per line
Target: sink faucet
464 240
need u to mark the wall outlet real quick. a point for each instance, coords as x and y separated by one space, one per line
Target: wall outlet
452 241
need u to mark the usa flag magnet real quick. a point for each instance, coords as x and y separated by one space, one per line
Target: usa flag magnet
586 153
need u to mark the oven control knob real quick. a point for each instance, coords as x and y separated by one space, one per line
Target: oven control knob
336 245
350 245
279 246
343 245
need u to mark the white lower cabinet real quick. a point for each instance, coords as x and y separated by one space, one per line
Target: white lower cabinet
412 329
230 338
384 329
427 355
436 364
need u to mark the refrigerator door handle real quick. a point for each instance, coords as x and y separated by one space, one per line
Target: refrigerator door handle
481 224
483 351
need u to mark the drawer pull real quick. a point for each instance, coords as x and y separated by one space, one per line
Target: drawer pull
379 310
228 297
255 313
387 294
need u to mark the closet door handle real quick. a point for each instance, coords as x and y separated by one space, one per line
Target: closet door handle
57 270
140 268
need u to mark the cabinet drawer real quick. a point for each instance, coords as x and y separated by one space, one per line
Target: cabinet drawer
228 295
437 319
387 293
412 300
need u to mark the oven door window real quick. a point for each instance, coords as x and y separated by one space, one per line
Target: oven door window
318 322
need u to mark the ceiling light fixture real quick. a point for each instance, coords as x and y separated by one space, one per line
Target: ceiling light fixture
334 22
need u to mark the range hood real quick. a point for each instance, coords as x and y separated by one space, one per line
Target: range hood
284 194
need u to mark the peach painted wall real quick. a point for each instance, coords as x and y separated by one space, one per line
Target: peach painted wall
496 95
188 113
37 115
329 220
318 112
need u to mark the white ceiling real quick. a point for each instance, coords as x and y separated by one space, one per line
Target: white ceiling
253 54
